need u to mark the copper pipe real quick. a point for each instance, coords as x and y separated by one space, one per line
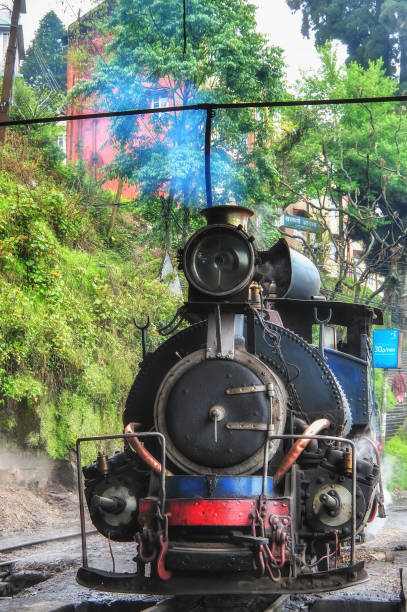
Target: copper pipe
142 452
299 446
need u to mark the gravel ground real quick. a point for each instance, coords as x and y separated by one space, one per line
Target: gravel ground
52 512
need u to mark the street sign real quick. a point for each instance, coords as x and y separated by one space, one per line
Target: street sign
300 223
387 348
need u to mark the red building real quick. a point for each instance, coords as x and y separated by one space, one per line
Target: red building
88 140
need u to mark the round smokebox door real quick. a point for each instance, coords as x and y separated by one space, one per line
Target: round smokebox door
209 429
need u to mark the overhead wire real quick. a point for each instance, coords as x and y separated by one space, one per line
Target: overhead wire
46 71
184 25
209 107
49 73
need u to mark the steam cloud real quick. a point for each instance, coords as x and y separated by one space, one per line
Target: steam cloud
24 468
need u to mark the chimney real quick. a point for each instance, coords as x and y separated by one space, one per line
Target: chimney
229 214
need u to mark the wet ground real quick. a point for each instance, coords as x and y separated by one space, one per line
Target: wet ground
385 551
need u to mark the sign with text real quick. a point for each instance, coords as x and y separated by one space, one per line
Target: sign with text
300 223
387 348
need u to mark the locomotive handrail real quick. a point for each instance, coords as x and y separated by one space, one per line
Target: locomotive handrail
149 434
163 490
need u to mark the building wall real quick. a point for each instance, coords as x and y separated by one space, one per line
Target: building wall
4 37
89 139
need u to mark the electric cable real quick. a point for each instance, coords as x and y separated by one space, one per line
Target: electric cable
52 77
208 106
46 73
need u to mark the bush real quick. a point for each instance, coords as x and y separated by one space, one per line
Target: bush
68 347
396 450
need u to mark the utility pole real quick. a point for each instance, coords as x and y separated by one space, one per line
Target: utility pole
9 68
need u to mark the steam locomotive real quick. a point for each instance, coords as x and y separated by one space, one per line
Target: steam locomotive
249 462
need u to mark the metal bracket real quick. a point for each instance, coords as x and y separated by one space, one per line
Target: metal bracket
322 323
143 329
248 426
249 389
220 342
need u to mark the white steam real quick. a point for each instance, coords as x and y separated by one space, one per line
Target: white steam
365 451
24 468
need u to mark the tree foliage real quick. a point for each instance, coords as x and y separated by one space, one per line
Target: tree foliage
29 103
68 348
224 59
371 29
44 66
348 163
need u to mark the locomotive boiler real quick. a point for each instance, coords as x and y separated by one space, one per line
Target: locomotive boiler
250 464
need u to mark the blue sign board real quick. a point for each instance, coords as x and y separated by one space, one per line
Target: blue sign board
386 348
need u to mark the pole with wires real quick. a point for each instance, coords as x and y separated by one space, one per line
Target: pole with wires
9 68
208 133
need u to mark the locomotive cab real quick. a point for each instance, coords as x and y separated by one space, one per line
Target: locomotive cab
346 348
241 455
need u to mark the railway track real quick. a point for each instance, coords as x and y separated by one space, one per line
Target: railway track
70 536
181 604
12 583
74 601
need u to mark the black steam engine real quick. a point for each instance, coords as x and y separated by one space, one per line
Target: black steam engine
250 463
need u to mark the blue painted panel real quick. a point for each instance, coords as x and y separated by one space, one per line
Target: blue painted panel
219 487
351 373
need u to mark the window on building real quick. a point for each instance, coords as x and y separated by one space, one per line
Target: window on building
357 254
5 38
160 99
300 212
61 142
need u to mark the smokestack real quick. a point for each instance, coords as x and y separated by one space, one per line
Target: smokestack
229 214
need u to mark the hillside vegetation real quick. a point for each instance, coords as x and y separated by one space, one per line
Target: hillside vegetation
68 294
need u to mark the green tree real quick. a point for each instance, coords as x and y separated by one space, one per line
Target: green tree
44 66
348 163
29 103
370 29
393 17
223 59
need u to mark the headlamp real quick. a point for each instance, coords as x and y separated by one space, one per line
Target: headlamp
219 260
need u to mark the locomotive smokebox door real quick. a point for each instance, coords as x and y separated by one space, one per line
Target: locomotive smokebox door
215 413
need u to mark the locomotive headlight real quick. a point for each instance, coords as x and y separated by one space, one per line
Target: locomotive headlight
219 260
